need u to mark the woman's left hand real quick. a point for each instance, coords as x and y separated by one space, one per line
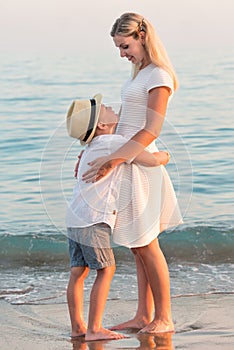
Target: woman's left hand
99 168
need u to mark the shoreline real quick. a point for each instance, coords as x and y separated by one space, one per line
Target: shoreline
201 322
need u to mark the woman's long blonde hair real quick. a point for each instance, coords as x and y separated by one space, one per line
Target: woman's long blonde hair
131 24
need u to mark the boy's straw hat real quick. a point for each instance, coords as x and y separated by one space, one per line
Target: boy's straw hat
82 118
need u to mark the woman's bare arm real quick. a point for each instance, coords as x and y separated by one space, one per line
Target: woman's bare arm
156 110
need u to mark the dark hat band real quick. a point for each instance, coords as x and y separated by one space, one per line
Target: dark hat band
91 120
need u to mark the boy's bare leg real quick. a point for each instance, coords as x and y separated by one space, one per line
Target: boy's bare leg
75 297
98 298
145 309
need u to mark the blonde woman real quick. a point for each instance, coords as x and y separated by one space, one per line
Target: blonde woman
144 98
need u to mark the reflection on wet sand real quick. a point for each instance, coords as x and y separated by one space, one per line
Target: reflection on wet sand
159 342
145 342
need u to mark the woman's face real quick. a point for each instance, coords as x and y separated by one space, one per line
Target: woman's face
131 48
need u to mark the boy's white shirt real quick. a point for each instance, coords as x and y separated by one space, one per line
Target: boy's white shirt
97 202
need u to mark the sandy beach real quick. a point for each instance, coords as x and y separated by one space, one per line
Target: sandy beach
202 322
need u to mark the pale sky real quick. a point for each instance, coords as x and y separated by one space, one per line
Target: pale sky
65 25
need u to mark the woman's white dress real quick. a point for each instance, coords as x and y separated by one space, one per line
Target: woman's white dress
147 200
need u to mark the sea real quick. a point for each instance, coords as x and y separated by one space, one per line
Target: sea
38 158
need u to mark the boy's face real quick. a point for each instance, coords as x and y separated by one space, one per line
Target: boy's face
108 117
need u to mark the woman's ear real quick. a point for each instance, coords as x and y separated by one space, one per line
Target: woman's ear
142 37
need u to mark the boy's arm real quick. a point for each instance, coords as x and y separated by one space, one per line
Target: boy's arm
77 164
148 159
145 158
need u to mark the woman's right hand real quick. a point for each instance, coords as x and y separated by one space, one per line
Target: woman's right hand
77 164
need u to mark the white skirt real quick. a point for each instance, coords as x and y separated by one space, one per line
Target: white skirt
147 205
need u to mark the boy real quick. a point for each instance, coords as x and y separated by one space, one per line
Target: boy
91 214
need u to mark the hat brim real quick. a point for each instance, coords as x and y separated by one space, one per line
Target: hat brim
82 118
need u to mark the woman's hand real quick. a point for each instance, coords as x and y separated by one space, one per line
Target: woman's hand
99 168
77 164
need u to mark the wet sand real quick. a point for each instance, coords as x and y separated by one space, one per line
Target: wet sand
202 322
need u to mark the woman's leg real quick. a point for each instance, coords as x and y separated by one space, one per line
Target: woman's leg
158 276
144 313
145 307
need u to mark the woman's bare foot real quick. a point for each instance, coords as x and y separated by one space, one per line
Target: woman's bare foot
131 324
79 332
103 334
158 326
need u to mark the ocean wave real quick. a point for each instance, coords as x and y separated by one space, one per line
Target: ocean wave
15 291
197 243
200 243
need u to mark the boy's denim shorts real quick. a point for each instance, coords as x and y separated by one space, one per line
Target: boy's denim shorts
90 246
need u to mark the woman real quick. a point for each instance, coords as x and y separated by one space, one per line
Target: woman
144 103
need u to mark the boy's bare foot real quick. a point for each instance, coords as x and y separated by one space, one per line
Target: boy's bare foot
103 334
131 324
158 326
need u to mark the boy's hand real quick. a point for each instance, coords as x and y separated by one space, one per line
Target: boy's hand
163 157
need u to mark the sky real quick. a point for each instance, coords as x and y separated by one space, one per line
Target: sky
74 25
